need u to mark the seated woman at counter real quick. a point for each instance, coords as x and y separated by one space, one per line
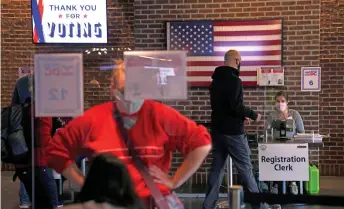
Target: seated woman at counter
283 112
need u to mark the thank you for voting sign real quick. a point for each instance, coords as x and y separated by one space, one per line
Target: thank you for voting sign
283 162
69 21
58 85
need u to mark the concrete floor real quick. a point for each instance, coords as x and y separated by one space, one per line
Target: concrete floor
329 186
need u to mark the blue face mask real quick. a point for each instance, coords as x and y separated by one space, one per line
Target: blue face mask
128 107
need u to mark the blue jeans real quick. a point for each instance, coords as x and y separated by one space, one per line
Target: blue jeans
44 186
23 195
237 147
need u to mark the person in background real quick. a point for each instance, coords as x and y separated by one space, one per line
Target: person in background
283 112
45 190
20 94
107 186
227 128
92 87
155 129
24 199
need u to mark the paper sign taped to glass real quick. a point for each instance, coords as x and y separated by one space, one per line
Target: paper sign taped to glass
271 76
158 75
59 85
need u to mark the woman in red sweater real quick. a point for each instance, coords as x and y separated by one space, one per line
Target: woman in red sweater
155 129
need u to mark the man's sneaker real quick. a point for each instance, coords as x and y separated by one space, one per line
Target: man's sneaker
293 188
276 206
274 189
264 206
60 204
24 206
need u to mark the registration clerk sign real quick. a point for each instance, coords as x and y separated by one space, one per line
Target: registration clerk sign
283 162
69 21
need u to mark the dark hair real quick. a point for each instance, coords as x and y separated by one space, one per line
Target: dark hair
108 180
282 93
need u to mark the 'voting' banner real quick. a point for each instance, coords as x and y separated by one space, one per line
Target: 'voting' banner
65 21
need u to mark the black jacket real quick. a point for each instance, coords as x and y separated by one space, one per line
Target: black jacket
226 97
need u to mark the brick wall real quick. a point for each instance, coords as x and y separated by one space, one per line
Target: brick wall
301 48
332 94
141 23
18 51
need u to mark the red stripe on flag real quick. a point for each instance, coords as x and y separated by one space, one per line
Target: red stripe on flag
35 37
245 23
248 33
250 83
199 83
247 43
252 53
207 83
210 73
244 63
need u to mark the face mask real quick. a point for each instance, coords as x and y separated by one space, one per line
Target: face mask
238 67
281 106
128 107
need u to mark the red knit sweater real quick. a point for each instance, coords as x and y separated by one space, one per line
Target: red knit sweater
158 131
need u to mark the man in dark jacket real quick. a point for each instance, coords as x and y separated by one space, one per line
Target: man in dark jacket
227 126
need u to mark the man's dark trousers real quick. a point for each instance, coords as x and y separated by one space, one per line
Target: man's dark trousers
237 147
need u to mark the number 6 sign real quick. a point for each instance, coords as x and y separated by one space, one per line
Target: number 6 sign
58 85
310 79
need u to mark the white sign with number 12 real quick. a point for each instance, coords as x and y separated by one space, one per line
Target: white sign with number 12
58 85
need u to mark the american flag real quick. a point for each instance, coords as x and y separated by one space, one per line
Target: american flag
258 41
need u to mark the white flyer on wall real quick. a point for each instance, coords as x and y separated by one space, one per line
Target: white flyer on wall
159 75
311 79
270 76
59 85
283 162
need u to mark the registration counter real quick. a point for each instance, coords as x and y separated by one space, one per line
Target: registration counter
281 162
287 162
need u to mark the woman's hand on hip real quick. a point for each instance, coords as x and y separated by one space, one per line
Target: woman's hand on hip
161 177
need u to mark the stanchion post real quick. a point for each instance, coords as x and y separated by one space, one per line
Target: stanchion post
83 166
229 176
234 195
229 172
